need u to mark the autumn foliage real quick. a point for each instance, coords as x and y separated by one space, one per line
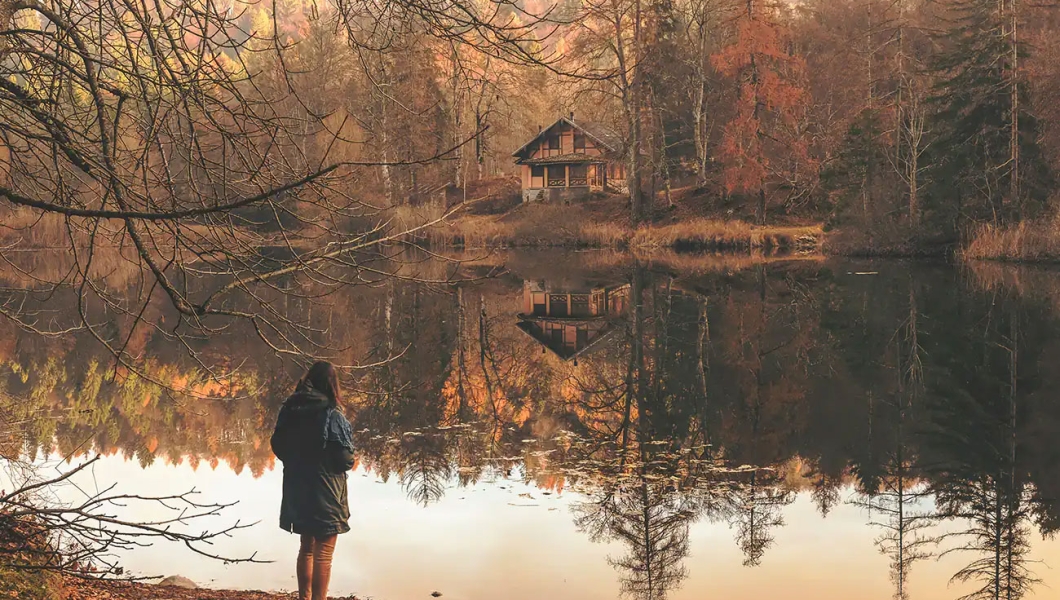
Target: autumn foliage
770 102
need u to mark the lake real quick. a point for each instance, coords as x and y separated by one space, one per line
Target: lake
593 426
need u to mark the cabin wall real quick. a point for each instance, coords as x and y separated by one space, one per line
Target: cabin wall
557 194
565 133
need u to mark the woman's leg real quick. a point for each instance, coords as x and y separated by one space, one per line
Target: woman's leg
304 568
323 550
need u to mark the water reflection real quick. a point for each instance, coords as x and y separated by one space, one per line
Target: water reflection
570 322
661 396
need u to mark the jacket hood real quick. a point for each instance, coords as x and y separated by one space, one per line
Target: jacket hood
307 397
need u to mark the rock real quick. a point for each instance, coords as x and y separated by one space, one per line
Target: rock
436 594
178 581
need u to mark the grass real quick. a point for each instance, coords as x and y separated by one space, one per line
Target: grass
497 218
1037 242
559 226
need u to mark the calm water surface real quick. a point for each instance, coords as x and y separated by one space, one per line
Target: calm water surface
585 426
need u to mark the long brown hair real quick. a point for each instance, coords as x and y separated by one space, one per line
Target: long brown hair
323 378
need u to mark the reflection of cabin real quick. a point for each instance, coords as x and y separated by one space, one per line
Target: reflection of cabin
570 322
569 159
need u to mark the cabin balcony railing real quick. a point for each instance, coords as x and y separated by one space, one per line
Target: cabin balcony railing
578 181
557 183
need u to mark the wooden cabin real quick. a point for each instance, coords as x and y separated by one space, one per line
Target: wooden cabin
570 322
569 159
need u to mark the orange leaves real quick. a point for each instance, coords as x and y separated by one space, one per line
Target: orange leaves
770 99
741 147
756 40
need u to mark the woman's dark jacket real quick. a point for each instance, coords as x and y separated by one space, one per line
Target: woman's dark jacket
314 442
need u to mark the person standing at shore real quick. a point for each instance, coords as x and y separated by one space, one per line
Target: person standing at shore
314 442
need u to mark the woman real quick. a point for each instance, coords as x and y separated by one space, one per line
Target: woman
315 443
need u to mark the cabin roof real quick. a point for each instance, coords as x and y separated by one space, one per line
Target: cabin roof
574 157
603 135
528 325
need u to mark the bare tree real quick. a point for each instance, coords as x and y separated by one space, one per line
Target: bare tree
83 533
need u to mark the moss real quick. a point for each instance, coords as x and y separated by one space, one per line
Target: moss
29 585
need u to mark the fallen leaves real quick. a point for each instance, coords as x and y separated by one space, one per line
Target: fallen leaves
95 589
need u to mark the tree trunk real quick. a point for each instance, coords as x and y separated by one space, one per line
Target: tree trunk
634 159
1014 136
699 118
634 178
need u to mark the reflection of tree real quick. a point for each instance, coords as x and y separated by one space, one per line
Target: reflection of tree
652 520
399 403
978 475
642 400
426 467
768 338
894 498
757 504
997 531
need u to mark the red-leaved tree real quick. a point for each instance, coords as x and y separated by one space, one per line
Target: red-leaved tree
764 142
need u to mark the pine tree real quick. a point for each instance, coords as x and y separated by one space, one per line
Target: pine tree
859 167
986 164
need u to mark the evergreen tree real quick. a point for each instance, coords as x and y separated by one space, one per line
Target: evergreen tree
861 170
986 164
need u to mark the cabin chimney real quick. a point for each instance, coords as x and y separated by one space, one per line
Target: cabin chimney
539 129
572 115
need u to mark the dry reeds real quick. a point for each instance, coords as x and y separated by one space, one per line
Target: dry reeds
1019 243
26 227
710 235
552 226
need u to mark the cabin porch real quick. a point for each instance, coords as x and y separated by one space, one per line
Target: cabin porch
555 179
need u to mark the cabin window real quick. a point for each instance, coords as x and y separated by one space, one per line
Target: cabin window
599 303
557 337
579 305
583 338
537 176
557 304
553 142
538 302
595 174
579 175
557 176
579 141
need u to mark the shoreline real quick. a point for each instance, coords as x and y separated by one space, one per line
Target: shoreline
114 589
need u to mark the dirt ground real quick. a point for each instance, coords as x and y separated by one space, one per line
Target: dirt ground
78 589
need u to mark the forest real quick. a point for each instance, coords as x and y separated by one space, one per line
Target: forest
902 127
